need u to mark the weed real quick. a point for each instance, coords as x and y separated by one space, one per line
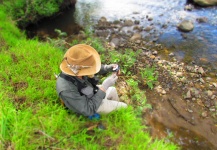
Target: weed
149 76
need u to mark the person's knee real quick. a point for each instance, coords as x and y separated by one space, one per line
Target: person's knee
123 104
112 89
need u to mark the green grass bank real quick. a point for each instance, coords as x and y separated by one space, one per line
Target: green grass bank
31 116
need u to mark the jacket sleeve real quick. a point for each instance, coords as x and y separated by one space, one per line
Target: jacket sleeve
102 70
82 104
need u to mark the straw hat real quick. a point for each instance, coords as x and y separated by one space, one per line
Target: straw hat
81 60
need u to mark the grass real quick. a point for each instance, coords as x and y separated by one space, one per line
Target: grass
31 116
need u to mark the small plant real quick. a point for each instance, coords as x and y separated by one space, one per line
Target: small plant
135 93
149 76
126 60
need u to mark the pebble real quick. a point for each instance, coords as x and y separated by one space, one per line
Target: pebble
190 111
204 114
163 92
188 95
212 109
200 70
201 80
214 84
209 93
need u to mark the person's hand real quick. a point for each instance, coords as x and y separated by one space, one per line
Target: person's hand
110 67
109 81
113 68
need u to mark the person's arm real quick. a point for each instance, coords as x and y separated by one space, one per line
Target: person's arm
81 104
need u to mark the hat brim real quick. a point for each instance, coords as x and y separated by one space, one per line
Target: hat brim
93 69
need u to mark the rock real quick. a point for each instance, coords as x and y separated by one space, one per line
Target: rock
135 37
154 52
201 80
202 20
206 2
128 23
103 22
212 109
200 70
190 111
204 114
148 28
138 41
163 92
152 56
164 26
82 35
209 93
149 17
139 28
213 97
207 104
114 42
179 74
189 7
186 26
214 84
188 95
171 54
137 22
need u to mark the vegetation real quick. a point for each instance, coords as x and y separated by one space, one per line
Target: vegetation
31 116
149 75
30 11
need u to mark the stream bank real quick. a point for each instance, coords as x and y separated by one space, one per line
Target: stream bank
185 98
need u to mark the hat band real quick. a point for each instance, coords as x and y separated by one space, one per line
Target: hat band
75 68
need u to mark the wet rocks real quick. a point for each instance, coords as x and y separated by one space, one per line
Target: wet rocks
206 2
186 26
135 37
202 20
128 23
189 7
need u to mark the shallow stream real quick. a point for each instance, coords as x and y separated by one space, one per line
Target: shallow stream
200 46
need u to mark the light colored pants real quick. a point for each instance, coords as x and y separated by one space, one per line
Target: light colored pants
110 102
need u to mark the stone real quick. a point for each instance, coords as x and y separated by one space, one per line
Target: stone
128 23
206 2
186 26
209 93
202 20
204 114
135 37
189 7
188 95
200 70
148 28
201 80
214 84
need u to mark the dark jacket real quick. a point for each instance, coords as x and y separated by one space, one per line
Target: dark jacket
69 92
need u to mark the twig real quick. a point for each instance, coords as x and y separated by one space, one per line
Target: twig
48 136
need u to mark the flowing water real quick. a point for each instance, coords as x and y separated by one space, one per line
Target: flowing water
199 47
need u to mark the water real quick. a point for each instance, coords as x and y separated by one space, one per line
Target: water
200 45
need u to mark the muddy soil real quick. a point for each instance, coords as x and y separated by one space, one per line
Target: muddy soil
171 114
